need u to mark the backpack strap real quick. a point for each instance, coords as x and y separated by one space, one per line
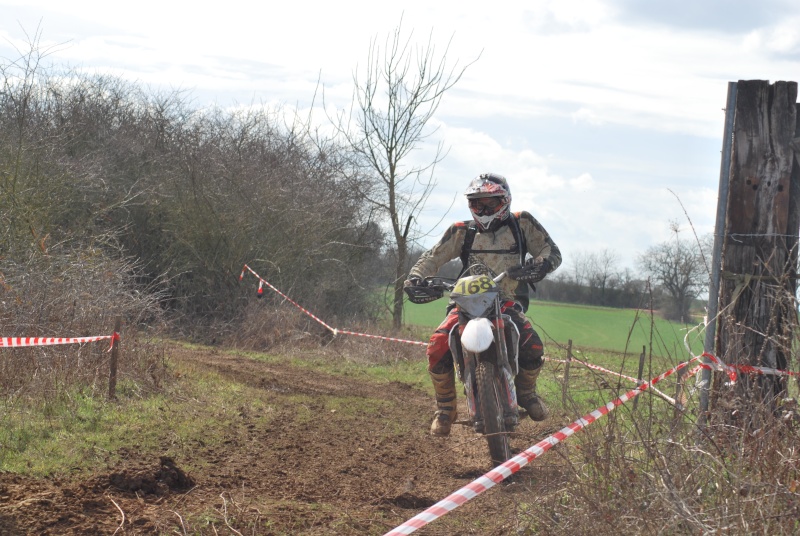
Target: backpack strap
469 238
466 247
521 293
519 237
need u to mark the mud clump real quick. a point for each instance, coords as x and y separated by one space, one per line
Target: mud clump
409 501
161 480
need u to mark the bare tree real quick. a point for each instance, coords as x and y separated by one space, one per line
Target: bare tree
677 266
603 274
402 87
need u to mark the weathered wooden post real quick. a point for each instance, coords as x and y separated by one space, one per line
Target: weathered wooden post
758 312
710 339
680 393
112 373
565 386
639 375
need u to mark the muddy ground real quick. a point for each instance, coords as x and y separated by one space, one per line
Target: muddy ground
327 475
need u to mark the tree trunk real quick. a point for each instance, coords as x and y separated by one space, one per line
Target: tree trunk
757 292
399 278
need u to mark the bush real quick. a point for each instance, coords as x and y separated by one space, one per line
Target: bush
74 294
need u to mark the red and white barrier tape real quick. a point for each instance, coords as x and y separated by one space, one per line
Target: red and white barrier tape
731 369
734 370
262 281
631 378
344 331
501 472
21 342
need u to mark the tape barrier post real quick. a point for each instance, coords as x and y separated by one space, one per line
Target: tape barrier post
640 374
565 386
112 366
503 471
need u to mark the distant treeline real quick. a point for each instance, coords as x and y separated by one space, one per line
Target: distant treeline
623 293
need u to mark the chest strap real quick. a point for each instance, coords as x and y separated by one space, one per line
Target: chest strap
519 246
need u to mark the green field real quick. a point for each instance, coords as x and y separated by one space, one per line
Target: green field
602 328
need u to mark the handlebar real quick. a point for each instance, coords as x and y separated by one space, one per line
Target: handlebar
448 283
440 283
434 288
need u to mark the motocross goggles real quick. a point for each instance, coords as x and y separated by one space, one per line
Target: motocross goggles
485 205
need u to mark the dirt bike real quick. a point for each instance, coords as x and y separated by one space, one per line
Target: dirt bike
480 344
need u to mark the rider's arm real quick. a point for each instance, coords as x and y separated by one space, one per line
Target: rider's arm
538 240
447 249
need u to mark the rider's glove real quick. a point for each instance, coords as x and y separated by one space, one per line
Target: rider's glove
418 291
531 271
414 281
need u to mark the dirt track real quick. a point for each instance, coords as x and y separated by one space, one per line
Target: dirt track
329 474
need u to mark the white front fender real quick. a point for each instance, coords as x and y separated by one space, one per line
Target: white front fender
477 335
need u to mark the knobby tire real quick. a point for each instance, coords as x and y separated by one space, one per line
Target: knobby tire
492 412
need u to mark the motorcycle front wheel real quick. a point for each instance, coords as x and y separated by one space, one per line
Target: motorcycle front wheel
494 427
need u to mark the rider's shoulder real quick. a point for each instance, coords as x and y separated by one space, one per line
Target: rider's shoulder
528 221
455 228
460 226
524 215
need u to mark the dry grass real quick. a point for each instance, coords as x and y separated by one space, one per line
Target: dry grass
75 295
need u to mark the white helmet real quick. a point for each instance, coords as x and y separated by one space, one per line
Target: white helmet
489 200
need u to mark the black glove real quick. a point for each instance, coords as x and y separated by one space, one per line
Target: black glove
530 272
414 281
418 291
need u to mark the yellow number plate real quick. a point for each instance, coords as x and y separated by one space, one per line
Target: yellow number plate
475 284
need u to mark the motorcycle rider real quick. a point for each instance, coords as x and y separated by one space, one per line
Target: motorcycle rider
497 239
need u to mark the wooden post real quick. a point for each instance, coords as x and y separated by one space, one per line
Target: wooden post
639 375
112 375
710 339
565 385
761 237
680 393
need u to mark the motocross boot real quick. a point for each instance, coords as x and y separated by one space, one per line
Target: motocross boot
526 394
445 386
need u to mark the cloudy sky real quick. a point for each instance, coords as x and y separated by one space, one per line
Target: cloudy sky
605 115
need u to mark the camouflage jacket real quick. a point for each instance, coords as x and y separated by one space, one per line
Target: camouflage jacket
497 250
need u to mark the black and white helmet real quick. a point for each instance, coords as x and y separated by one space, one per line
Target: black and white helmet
489 200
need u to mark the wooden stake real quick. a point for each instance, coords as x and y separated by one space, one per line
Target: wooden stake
112 376
639 376
565 385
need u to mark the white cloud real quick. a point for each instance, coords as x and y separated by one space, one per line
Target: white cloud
585 115
782 38
582 183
